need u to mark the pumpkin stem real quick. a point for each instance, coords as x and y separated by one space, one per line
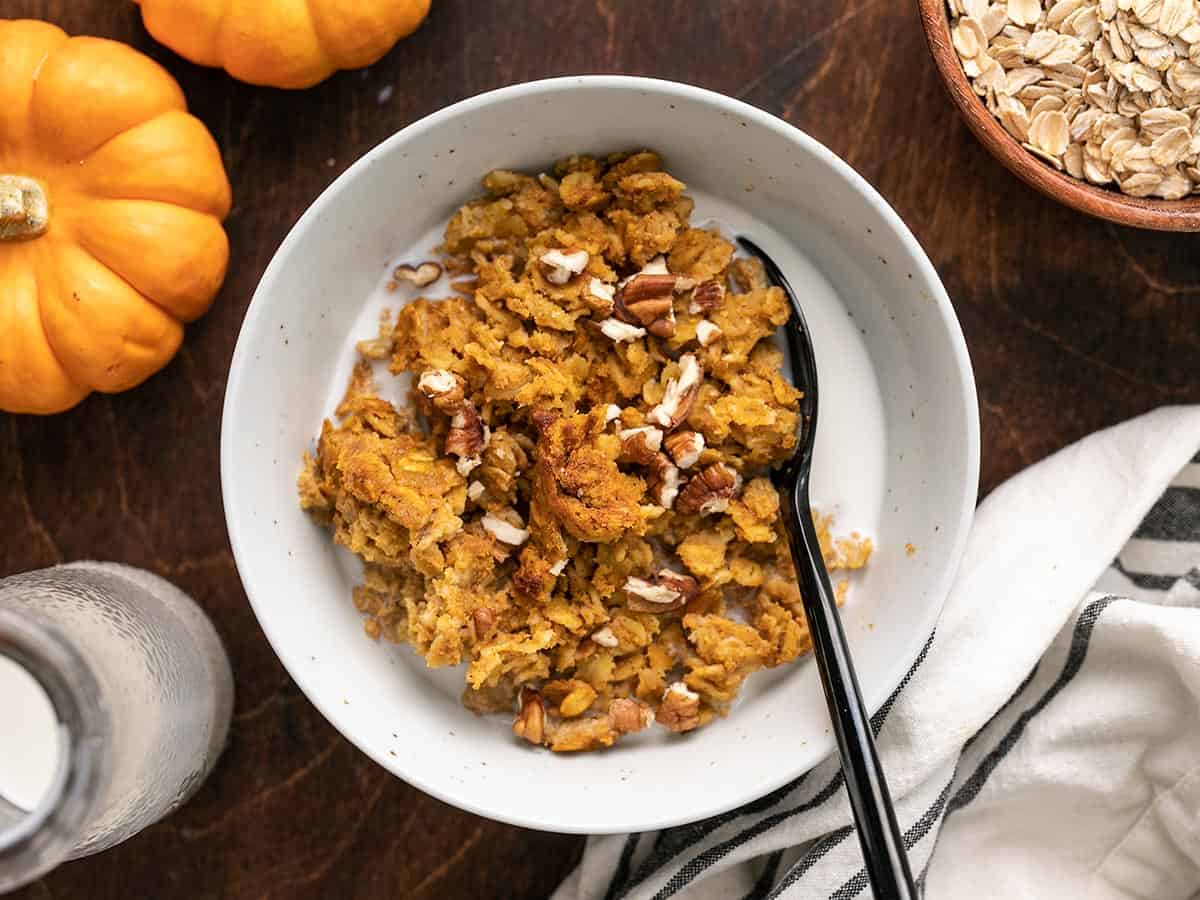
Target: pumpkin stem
24 212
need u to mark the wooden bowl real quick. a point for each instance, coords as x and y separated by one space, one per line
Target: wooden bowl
1162 215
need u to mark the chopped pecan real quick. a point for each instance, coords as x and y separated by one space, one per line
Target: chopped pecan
664 591
445 390
639 445
560 267
680 708
468 436
483 620
628 715
422 275
605 637
599 297
706 297
710 490
662 481
530 722
617 331
707 333
648 300
685 447
504 531
680 396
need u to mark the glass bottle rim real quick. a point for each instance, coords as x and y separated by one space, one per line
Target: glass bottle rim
45 837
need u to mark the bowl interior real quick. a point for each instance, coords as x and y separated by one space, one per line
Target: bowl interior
897 452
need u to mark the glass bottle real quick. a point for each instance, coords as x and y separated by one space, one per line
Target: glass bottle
115 702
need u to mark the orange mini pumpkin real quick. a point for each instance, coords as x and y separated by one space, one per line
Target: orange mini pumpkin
282 43
111 201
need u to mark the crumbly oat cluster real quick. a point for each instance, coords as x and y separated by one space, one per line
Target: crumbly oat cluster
1106 89
574 502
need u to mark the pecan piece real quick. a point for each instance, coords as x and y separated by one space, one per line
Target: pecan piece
662 481
599 297
504 531
648 300
617 331
664 591
421 275
483 620
707 333
680 708
706 297
710 491
680 396
560 267
605 637
685 447
530 722
639 445
627 715
444 390
468 436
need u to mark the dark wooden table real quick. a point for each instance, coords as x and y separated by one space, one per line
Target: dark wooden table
1072 324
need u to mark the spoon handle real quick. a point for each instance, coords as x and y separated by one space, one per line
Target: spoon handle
882 844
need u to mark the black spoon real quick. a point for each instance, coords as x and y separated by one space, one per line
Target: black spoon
882 844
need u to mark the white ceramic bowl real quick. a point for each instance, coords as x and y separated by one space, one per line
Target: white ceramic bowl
897 453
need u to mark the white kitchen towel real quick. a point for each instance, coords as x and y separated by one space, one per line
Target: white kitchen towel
1047 741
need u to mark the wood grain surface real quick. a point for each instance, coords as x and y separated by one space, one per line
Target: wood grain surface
1073 324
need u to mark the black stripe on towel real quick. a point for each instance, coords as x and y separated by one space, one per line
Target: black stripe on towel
673 841
1193 578
1080 640
810 859
694 867
859 882
1175 517
621 874
1145 580
766 878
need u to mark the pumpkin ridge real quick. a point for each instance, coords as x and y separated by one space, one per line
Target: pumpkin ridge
186 305
325 51
131 362
219 44
125 281
92 194
71 390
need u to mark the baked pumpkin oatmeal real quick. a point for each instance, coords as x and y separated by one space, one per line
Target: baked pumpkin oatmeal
574 501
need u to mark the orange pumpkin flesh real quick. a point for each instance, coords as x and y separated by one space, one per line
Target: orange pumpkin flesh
282 43
94 294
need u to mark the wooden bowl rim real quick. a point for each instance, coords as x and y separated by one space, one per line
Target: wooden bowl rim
1138 212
